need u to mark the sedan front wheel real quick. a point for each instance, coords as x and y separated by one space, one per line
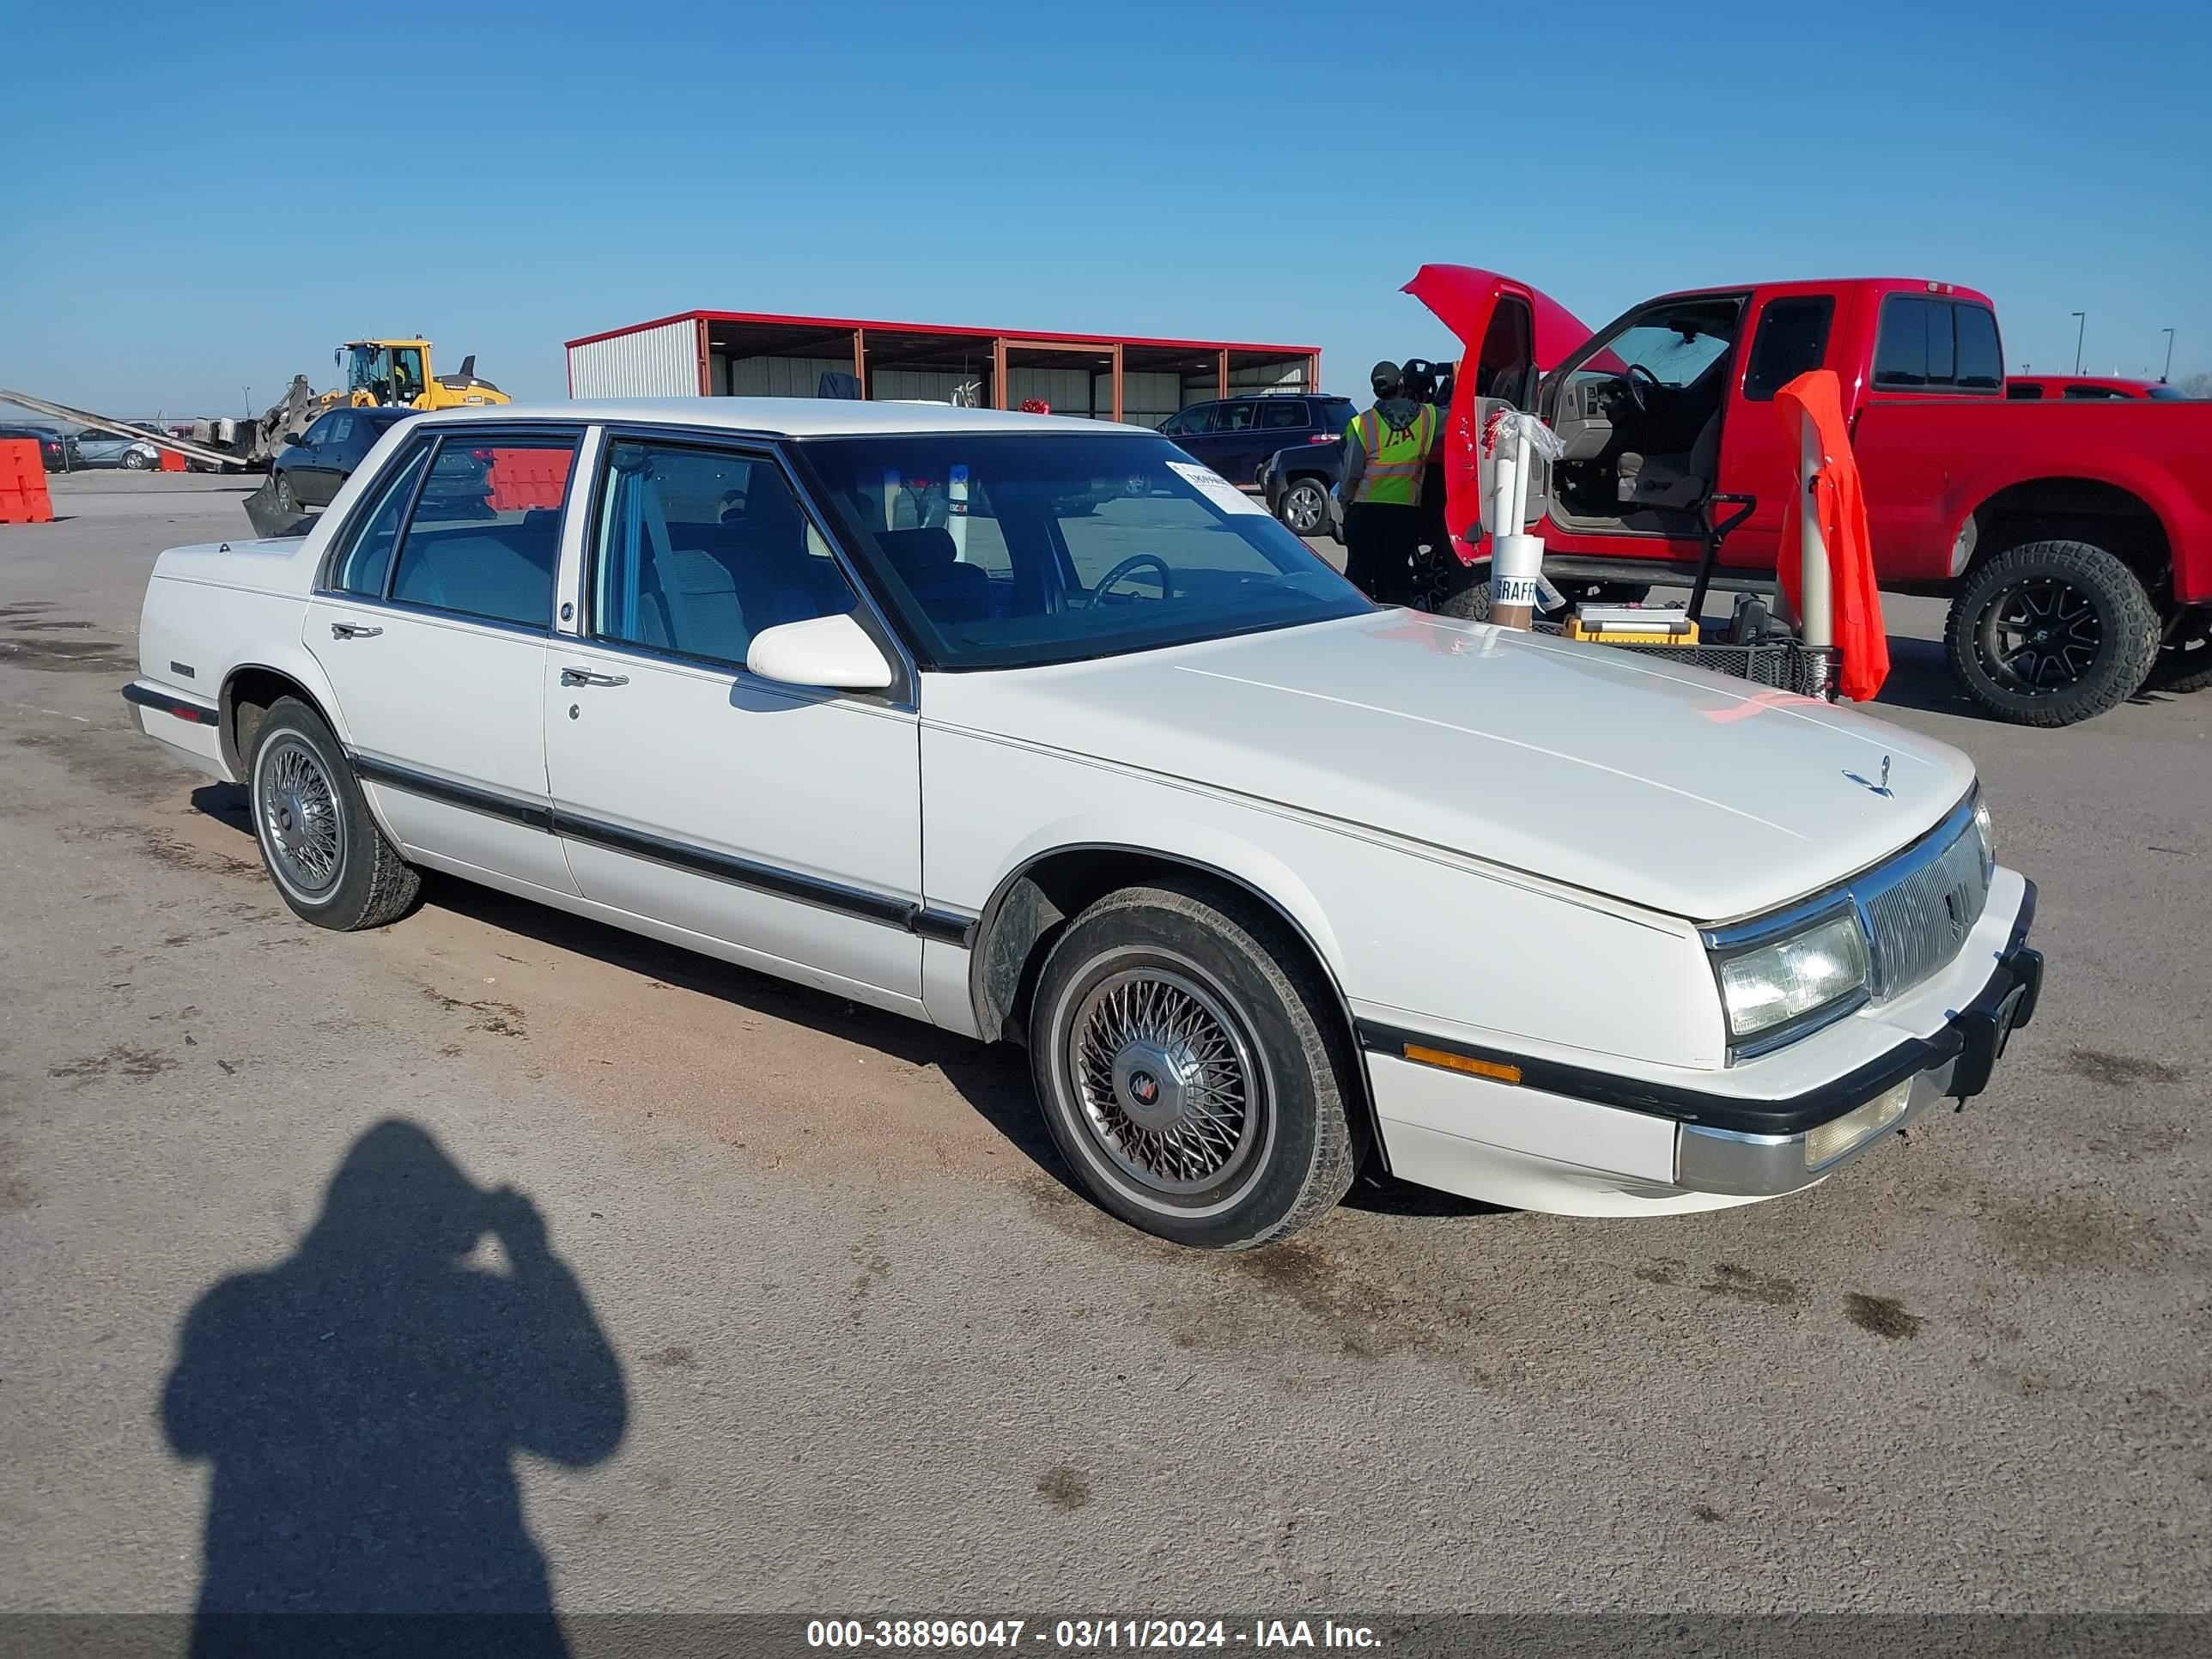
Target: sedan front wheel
1194 1067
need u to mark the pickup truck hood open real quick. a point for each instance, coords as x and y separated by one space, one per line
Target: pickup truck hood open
1682 791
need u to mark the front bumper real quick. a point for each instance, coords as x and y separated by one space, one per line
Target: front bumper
1536 1134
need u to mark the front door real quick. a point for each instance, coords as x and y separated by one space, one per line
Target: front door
781 822
432 631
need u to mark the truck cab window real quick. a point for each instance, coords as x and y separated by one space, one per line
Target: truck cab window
1937 345
1792 338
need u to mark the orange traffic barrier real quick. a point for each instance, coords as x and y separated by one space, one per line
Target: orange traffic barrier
172 461
523 479
23 497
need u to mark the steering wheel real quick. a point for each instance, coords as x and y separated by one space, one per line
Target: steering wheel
1635 392
1136 561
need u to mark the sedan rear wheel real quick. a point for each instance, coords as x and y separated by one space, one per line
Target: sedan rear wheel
329 860
1192 1066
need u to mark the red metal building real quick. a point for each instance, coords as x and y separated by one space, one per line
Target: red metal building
756 354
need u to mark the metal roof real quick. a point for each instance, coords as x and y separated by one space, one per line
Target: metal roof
777 319
788 417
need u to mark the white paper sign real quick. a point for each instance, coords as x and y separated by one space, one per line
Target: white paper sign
1215 488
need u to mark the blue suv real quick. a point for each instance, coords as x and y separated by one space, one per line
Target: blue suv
1235 435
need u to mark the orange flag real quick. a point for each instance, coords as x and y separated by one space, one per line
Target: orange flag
1841 506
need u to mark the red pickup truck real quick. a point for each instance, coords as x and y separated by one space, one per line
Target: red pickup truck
2074 542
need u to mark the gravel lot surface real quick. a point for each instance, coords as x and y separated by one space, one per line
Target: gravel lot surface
816 1323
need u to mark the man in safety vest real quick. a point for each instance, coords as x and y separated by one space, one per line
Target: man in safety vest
1386 455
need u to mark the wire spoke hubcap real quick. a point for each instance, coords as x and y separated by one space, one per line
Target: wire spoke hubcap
300 824
2041 636
1166 1080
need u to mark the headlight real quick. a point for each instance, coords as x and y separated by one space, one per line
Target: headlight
1793 977
1987 831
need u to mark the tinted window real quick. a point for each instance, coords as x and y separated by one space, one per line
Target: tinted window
1792 338
1072 548
1936 345
1981 362
2023 391
1233 417
2086 393
1285 413
320 432
341 429
361 569
486 530
1196 419
1900 353
2167 394
699 549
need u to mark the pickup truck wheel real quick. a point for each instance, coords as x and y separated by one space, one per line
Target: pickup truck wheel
1304 506
322 849
2184 662
1468 599
2051 633
1192 1066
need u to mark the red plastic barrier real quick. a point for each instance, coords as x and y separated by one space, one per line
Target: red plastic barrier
23 497
521 480
172 461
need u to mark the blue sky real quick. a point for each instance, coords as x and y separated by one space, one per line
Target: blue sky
204 199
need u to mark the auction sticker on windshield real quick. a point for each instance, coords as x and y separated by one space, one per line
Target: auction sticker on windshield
1215 488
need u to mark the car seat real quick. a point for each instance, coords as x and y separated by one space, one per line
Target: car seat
1674 480
928 562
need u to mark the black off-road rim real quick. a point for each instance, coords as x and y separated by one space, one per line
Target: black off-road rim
2041 636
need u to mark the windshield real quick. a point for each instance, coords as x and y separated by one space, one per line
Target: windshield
1015 549
2166 393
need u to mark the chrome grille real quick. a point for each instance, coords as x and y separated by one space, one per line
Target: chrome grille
1920 907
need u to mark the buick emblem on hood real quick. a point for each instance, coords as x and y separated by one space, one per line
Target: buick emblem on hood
1881 788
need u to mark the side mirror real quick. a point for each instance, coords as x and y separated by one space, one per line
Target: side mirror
831 651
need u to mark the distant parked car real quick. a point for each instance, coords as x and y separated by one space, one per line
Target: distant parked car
107 449
56 453
2089 388
1234 435
308 470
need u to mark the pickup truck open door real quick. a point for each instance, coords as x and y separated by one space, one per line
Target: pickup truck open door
1513 333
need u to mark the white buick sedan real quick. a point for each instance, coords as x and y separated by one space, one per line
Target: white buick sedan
1036 729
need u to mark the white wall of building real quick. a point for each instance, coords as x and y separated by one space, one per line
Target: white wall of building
650 363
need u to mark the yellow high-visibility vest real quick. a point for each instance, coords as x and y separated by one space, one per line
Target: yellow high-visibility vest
1396 460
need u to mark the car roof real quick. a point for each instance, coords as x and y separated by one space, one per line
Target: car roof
784 417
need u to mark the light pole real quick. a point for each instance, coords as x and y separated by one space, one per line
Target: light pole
2082 327
2168 369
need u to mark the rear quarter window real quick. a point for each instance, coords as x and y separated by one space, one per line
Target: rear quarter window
1936 345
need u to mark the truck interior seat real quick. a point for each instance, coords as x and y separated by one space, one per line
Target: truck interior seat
1676 480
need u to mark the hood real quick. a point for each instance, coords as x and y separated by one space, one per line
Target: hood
1682 791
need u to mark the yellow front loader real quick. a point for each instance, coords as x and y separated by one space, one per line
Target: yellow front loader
398 372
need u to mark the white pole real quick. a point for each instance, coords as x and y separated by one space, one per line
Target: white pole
1514 559
1818 609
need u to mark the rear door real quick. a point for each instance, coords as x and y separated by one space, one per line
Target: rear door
430 620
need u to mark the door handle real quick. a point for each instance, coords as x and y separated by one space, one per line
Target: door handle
585 677
353 631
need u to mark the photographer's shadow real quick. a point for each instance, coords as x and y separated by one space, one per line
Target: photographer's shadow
362 1404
